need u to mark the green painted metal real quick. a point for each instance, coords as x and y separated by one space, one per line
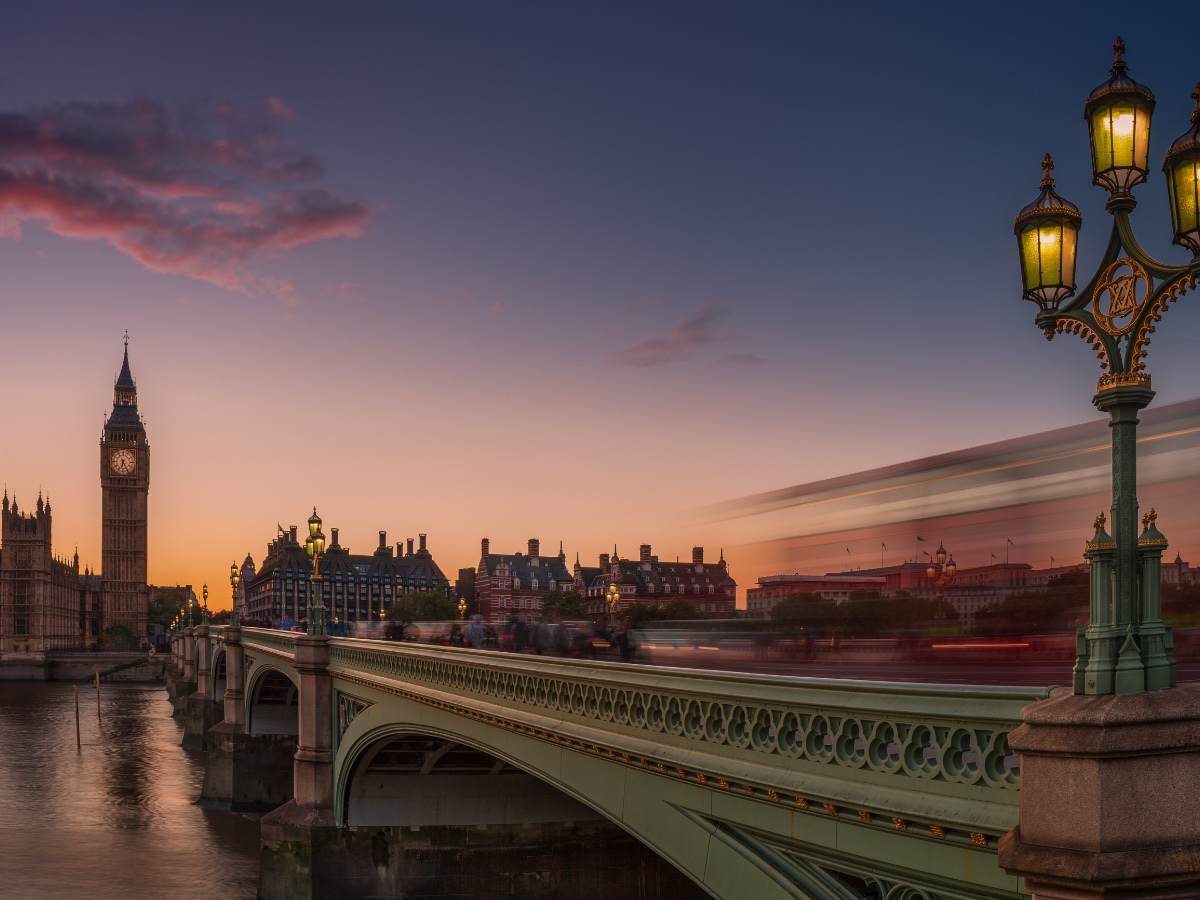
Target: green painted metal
1125 648
755 785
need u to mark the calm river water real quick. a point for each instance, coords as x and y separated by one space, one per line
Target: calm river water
117 819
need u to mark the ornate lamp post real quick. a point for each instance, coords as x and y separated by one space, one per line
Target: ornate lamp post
613 598
942 569
462 607
1125 648
204 607
314 546
234 578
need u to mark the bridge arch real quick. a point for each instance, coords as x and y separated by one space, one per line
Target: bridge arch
272 701
484 804
387 781
217 674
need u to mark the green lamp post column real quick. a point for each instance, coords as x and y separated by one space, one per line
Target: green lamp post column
1125 648
314 546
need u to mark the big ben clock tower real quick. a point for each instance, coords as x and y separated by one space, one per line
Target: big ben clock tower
124 485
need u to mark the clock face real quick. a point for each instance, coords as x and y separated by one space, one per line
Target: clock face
122 462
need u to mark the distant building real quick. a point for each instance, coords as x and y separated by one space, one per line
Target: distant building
648 580
1178 572
971 589
355 587
772 589
512 585
464 586
245 578
46 602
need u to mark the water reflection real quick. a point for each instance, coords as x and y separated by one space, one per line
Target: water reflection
116 819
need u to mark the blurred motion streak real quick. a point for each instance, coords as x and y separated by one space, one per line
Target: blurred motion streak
1041 490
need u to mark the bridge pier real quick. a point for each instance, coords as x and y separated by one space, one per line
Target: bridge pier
1106 804
186 683
201 711
299 833
244 772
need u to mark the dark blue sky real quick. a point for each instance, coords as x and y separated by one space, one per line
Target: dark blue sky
739 245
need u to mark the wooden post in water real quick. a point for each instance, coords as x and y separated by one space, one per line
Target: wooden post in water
78 742
98 697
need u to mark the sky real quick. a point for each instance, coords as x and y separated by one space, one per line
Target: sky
554 270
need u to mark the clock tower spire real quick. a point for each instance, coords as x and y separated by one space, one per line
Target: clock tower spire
124 487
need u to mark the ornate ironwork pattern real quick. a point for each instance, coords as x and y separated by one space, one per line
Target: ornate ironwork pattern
961 752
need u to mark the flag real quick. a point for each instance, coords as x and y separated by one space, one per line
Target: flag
847 549
993 556
921 539
1010 540
883 545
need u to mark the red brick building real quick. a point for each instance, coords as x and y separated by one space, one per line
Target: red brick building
512 585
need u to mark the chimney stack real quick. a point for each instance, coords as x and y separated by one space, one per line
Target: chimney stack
604 560
292 533
410 550
399 549
645 548
382 539
697 555
484 547
534 547
421 545
333 537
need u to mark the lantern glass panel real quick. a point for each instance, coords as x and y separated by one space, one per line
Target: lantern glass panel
1184 184
1120 143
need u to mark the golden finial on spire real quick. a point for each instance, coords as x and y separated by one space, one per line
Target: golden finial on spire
1149 518
1047 168
1118 49
1099 523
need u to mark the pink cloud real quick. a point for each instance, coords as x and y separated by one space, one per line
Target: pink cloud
197 191
278 107
701 333
496 308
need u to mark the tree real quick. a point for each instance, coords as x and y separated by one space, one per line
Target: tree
422 606
564 605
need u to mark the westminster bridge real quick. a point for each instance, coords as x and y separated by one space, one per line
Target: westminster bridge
398 769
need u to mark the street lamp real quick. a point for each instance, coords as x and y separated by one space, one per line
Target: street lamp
314 546
462 607
1125 648
234 578
613 597
204 608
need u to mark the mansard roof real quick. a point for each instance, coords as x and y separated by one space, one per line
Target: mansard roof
288 557
521 566
650 577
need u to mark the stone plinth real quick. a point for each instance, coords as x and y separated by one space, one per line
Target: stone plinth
247 772
1107 804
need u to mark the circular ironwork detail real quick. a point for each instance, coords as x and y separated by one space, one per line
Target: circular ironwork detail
1123 290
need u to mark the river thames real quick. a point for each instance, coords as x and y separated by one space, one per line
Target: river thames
116 819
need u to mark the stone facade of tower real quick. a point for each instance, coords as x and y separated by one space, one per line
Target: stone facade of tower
124 485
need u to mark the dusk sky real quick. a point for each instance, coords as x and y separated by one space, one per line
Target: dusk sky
557 271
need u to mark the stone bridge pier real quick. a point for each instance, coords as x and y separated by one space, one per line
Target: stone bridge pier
251 748
202 709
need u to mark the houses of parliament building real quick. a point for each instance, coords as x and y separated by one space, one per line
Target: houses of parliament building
47 602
